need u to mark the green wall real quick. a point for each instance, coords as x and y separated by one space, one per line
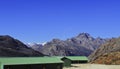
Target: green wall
1 66
67 62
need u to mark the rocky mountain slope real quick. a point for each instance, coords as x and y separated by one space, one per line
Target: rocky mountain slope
10 47
35 46
108 53
83 44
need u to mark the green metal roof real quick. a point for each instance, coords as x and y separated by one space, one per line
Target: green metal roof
72 57
77 58
58 57
28 60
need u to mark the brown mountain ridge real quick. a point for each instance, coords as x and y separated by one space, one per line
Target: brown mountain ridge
108 53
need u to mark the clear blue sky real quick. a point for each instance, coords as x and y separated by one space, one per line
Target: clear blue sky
43 20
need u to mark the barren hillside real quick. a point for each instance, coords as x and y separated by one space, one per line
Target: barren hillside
108 53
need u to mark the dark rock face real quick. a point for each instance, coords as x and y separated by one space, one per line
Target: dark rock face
83 44
10 47
109 48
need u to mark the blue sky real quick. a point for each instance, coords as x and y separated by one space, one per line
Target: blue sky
43 20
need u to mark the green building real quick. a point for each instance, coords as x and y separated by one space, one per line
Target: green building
30 63
68 60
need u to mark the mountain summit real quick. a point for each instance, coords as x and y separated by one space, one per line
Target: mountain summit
84 35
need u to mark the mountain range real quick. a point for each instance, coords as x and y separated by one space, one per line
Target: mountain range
82 44
98 50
